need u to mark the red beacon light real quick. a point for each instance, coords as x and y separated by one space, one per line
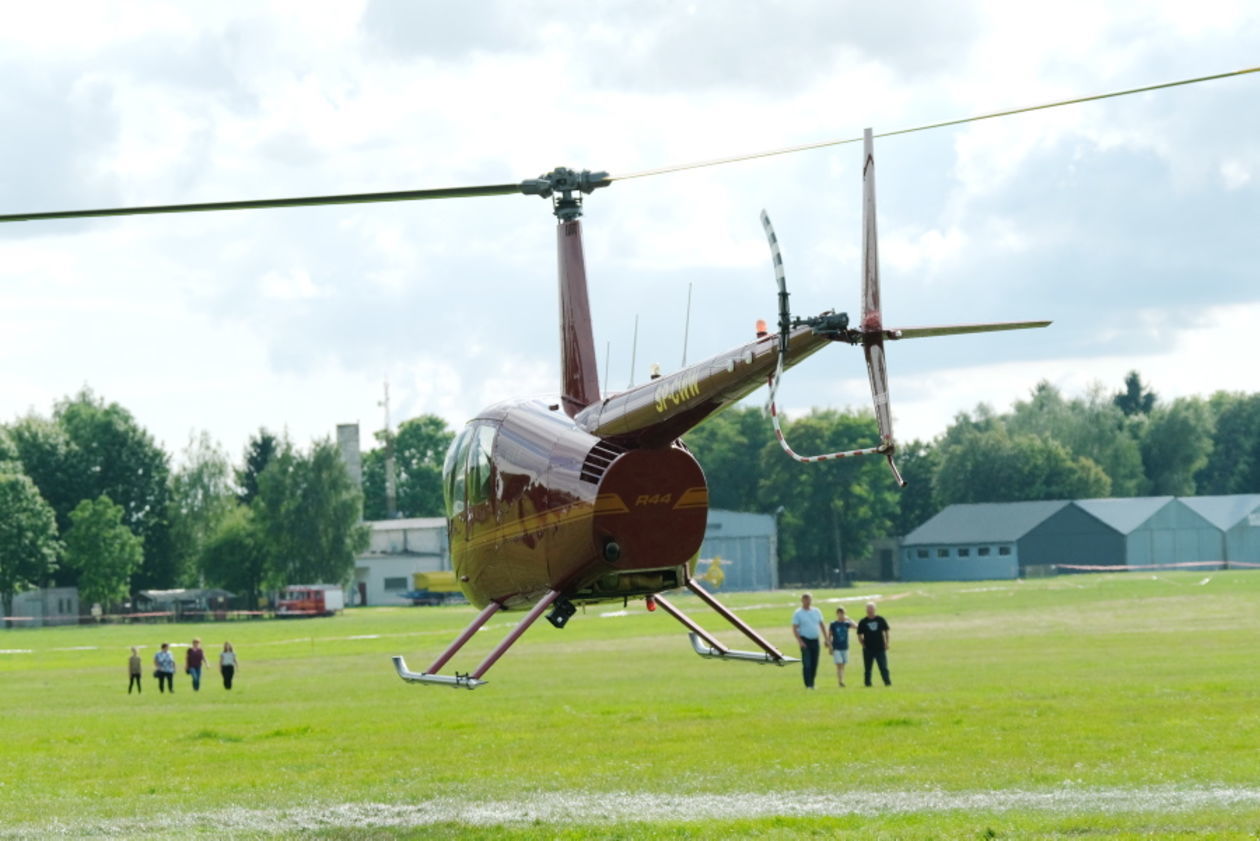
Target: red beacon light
761 328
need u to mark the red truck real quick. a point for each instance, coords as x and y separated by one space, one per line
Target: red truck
300 600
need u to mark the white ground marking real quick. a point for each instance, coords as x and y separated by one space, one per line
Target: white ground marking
604 808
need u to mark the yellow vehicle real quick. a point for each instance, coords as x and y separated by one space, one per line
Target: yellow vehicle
434 588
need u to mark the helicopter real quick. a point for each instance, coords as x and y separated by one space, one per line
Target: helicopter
594 497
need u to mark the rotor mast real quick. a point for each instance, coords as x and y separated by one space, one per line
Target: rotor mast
579 378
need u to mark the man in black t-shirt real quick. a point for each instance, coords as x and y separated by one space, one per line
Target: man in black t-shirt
872 632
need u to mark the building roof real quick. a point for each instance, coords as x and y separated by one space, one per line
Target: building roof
723 523
1224 512
1126 514
187 594
407 523
396 556
983 522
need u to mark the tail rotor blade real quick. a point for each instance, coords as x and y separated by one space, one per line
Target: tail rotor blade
877 369
960 329
872 325
872 319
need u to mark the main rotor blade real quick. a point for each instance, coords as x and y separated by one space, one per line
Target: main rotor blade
260 204
822 144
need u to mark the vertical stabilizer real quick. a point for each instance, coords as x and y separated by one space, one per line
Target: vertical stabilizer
579 374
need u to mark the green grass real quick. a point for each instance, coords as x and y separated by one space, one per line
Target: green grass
1132 701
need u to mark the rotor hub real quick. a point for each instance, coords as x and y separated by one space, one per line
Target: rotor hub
564 187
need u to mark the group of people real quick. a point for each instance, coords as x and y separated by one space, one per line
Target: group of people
811 632
194 662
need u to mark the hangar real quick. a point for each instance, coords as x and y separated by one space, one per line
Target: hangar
1021 539
1157 531
973 542
747 547
1238 518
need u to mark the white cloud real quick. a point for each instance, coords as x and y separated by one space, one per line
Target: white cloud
921 251
291 285
1235 174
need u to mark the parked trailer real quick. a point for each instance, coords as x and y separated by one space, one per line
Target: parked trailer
434 588
302 600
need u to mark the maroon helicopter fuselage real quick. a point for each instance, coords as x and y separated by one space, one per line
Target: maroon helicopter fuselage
594 497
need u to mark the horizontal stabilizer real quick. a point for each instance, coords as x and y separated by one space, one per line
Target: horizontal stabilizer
958 329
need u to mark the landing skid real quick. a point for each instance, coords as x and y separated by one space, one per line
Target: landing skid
472 680
456 681
764 658
707 646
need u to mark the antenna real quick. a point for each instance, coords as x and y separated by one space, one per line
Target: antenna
607 359
391 491
686 326
634 349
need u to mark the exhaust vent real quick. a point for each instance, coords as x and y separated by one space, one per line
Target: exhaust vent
597 461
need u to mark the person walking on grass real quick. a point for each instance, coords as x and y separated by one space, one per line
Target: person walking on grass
194 660
134 668
227 664
873 635
164 668
808 628
840 642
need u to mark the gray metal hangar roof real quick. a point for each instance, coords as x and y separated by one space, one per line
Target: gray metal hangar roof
983 522
1125 514
1224 512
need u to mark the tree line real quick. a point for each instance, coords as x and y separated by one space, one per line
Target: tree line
87 499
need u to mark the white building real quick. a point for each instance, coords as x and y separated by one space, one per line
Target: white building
52 606
398 549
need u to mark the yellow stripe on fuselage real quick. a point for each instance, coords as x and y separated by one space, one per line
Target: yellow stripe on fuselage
693 498
562 515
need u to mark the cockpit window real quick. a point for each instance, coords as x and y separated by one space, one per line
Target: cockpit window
453 473
468 473
480 466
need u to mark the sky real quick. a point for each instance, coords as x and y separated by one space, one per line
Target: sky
1131 222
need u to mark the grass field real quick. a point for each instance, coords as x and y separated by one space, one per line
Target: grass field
1118 706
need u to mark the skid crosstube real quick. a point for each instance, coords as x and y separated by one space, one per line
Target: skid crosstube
472 680
706 645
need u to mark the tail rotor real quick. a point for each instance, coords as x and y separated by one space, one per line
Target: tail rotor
870 333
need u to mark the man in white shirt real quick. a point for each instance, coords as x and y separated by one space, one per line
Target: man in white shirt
808 627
